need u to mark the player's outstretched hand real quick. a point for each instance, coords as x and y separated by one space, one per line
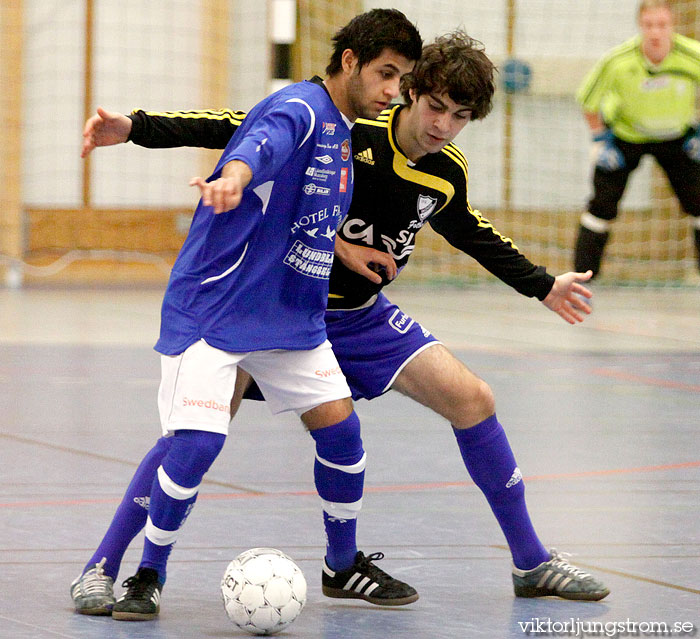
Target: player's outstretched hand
568 297
104 129
365 260
226 192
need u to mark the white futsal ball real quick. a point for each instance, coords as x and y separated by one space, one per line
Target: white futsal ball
263 591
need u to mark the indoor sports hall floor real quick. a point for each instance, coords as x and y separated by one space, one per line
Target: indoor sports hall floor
603 417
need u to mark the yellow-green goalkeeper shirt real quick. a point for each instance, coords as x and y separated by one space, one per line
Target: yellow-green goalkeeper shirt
640 101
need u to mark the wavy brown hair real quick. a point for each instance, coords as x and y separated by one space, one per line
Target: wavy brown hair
455 64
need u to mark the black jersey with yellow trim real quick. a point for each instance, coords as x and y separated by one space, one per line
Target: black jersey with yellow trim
168 129
393 199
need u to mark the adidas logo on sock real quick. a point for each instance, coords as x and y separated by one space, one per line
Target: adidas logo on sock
142 501
516 477
365 156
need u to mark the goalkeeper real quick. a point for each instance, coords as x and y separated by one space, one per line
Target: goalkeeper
408 174
639 99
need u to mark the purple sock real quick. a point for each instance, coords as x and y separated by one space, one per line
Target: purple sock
339 473
174 491
491 464
131 514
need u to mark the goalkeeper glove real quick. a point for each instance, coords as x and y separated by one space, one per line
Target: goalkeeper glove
608 156
691 146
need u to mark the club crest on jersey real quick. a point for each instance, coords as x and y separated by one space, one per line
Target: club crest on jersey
328 128
425 206
345 150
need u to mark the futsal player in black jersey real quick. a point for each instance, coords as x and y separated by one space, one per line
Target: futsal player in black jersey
408 173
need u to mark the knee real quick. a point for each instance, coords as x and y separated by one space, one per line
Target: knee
191 455
475 405
485 400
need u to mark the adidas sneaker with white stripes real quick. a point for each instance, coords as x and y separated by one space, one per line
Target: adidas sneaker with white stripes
93 591
363 580
558 578
141 601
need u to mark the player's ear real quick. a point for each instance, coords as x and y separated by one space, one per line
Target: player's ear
349 60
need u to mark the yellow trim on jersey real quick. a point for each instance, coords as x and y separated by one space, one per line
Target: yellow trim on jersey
455 154
223 114
371 122
401 168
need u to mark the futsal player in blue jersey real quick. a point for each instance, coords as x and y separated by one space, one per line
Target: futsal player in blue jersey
249 288
407 174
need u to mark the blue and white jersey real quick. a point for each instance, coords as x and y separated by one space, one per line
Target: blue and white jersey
256 277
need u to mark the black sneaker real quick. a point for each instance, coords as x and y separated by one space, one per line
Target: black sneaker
141 601
558 578
365 581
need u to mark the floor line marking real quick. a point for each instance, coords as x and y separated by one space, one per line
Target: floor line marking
116 460
649 381
629 575
35 627
368 489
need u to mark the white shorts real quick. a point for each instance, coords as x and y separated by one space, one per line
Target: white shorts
197 385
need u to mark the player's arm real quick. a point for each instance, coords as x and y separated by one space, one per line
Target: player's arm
225 193
594 121
257 156
605 153
365 260
207 129
474 235
168 129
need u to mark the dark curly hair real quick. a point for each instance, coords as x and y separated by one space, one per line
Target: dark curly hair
368 34
457 65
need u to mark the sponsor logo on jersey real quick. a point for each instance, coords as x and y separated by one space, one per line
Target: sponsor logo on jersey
326 145
515 478
425 206
400 247
400 322
328 372
365 233
324 159
309 220
312 189
365 156
328 128
656 83
206 403
345 150
319 174
309 261
344 180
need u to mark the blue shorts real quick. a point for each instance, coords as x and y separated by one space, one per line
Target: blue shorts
372 346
